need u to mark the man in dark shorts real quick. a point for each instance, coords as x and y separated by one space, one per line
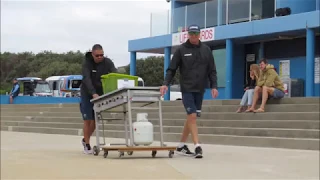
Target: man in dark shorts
94 66
15 90
196 64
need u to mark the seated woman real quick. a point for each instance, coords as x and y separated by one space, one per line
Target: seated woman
249 90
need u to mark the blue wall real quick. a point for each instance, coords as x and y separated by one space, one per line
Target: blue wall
38 100
297 70
150 43
298 6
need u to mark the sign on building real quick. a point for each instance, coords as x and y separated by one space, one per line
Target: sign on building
205 35
284 68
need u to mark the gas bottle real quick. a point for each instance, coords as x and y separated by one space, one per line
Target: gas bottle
142 130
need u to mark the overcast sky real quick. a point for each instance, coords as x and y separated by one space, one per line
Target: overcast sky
62 26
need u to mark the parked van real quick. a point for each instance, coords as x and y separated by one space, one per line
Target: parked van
34 86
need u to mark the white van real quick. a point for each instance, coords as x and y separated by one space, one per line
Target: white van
55 84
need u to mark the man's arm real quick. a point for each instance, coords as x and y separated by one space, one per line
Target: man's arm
271 76
171 71
86 73
212 72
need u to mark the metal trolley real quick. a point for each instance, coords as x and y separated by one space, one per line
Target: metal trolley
124 101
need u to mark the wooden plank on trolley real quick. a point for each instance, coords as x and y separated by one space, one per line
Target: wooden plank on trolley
137 148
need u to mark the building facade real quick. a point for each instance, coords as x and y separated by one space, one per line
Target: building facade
239 33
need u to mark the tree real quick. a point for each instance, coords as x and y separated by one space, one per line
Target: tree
151 70
47 63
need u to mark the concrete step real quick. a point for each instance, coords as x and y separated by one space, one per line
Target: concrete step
180 108
295 100
289 124
291 143
179 115
269 132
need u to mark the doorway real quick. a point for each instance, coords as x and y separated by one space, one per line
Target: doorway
251 57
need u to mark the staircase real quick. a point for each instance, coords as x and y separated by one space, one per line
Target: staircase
288 123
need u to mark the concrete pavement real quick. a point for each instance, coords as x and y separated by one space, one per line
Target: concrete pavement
46 156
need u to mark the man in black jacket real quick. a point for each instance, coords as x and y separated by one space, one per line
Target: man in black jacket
94 66
196 64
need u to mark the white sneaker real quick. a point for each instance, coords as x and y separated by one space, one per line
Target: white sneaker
86 151
86 148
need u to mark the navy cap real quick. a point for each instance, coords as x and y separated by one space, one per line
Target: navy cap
194 28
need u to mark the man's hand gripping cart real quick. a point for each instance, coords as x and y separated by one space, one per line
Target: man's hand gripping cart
141 132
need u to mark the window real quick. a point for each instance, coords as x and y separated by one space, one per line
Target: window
42 88
220 60
75 83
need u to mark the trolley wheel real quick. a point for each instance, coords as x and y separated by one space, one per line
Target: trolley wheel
171 153
154 153
130 153
105 155
95 151
121 154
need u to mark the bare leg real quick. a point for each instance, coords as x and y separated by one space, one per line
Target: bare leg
266 91
11 100
257 91
185 132
92 127
190 126
193 127
87 131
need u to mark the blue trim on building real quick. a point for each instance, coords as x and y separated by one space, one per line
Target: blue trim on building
133 62
167 57
150 43
229 69
310 62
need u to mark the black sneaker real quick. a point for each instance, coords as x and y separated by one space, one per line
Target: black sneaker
184 150
198 152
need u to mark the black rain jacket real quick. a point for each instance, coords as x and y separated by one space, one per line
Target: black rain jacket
196 65
92 72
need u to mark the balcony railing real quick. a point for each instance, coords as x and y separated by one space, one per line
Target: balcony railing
210 14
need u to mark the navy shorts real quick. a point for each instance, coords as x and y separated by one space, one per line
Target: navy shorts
277 94
14 96
192 102
86 108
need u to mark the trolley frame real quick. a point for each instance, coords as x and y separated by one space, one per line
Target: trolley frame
125 100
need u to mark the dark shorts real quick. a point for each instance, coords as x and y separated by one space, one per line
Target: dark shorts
277 94
14 96
86 108
192 102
